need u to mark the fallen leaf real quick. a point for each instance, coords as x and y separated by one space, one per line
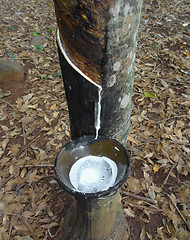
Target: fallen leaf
5 128
155 168
42 205
26 98
5 142
50 213
53 224
32 176
23 172
143 233
14 149
52 106
131 139
23 238
128 211
149 155
11 184
149 95
11 170
150 123
133 185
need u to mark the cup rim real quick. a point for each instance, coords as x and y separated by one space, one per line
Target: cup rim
91 139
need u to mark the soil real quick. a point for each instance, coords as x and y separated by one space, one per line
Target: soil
35 126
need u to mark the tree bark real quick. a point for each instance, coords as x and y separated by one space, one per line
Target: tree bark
97 48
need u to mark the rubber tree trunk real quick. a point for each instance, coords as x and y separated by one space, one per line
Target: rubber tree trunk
97 43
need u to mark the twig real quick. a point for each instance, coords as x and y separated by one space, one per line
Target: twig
166 119
15 214
185 155
9 104
153 208
7 179
181 215
28 166
155 67
24 135
35 165
166 179
11 226
51 235
175 82
27 146
44 177
137 197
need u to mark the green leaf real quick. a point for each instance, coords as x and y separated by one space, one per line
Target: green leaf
38 48
11 55
58 74
35 34
42 77
10 26
51 29
149 95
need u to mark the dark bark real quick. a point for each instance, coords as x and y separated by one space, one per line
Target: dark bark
81 97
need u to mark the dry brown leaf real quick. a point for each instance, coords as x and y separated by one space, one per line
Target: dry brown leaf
11 170
14 149
160 125
133 185
128 211
23 172
151 192
5 142
42 205
14 207
50 213
11 184
23 238
131 139
53 224
155 168
52 106
143 233
5 128
32 176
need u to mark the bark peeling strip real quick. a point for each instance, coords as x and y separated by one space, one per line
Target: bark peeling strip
71 63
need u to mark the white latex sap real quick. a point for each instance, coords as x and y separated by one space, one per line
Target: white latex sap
93 174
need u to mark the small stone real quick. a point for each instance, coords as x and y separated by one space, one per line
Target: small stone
11 71
37 40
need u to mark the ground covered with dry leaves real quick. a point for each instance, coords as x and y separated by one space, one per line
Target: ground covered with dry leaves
35 125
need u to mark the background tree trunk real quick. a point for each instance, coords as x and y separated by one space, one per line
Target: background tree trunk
97 44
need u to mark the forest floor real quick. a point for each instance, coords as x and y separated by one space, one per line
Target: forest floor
35 125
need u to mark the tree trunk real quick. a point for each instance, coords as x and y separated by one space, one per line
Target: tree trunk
97 44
